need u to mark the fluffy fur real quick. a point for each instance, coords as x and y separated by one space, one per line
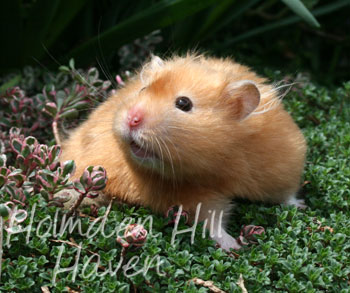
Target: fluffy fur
233 143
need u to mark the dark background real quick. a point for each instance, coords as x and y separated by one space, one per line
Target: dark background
119 35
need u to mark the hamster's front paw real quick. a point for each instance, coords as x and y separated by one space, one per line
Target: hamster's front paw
227 242
293 201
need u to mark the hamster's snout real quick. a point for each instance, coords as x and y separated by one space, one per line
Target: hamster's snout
140 149
135 117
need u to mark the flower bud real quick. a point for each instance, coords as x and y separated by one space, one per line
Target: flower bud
172 214
93 179
248 234
135 234
51 109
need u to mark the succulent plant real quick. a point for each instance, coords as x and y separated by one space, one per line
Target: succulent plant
35 168
172 214
65 97
93 180
134 234
248 234
12 216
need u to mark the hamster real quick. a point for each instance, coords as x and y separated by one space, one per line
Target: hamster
192 130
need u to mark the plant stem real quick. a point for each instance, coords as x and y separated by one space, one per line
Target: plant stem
76 205
55 132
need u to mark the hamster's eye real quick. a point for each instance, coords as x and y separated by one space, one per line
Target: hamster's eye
184 104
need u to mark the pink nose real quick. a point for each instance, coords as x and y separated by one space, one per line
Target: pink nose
135 117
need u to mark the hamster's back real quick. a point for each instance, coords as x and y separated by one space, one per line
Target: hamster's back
258 157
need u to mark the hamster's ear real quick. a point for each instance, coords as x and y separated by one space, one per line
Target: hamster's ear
243 97
154 65
156 62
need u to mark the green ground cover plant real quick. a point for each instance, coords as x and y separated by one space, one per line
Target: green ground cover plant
300 251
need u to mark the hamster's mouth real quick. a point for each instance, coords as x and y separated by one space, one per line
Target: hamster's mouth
140 152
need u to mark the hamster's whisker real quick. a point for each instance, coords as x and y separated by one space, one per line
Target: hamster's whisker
103 63
278 87
90 108
171 163
267 106
153 162
161 156
272 104
188 129
107 74
97 93
162 166
142 146
146 147
166 136
97 120
283 94
177 177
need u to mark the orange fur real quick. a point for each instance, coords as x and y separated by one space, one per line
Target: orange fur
207 154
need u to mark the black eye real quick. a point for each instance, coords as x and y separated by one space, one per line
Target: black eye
184 104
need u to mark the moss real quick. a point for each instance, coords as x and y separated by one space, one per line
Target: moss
301 250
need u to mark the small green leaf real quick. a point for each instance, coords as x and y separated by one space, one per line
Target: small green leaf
2 180
299 8
60 98
73 113
72 64
11 83
44 194
25 151
3 159
68 167
17 145
64 68
79 187
51 109
30 140
4 211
